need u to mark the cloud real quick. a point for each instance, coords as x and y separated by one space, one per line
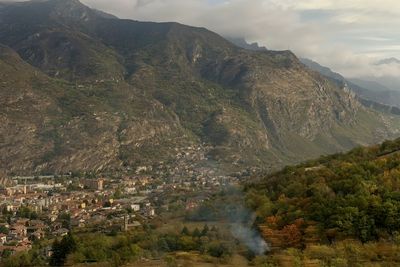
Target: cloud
348 36
265 21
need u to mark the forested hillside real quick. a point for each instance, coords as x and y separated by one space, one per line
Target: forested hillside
322 205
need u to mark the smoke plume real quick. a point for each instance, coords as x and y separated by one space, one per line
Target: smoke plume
251 238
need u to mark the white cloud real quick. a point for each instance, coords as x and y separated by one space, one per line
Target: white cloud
345 35
348 36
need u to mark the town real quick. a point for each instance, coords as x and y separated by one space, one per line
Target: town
50 206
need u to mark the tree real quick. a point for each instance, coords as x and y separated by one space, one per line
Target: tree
65 219
365 228
202 243
205 230
57 258
163 245
26 212
196 233
4 230
186 243
4 211
219 250
185 231
292 235
117 194
61 249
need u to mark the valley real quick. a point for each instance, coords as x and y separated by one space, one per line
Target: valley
133 143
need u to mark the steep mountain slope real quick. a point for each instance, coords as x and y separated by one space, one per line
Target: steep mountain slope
371 93
118 94
49 124
325 71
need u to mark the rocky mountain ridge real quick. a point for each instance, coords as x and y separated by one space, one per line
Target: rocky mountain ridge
371 94
83 90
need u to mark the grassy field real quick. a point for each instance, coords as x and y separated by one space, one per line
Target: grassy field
183 259
192 260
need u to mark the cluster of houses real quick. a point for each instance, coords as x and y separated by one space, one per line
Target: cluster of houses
33 208
33 211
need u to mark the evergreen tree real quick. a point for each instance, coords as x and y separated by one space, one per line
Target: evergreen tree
205 230
185 231
196 233
61 249
57 257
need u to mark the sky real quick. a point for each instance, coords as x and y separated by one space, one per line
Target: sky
349 36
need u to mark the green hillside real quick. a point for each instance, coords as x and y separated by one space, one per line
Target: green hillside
324 208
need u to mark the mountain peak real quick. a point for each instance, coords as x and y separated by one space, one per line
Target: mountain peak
388 61
60 2
242 43
72 10
137 93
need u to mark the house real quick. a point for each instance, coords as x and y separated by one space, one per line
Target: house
130 190
3 239
61 232
149 212
78 222
47 251
35 225
56 226
52 217
22 221
94 184
135 207
37 235
18 230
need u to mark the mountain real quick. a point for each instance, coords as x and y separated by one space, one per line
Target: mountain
392 82
369 85
388 61
371 94
376 92
325 71
241 42
82 90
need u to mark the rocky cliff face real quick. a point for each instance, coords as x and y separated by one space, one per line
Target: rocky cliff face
82 90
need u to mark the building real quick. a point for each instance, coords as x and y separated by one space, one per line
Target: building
135 207
3 239
18 230
94 184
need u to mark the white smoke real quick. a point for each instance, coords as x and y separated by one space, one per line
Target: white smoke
251 238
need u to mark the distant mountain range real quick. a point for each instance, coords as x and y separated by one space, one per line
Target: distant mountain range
366 90
82 90
369 85
389 81
388 61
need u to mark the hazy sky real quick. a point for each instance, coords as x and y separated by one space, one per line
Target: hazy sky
346 35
